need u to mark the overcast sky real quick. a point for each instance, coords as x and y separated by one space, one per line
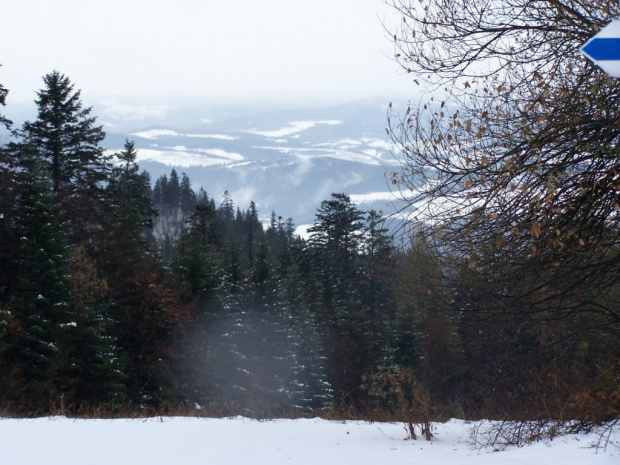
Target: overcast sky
225 50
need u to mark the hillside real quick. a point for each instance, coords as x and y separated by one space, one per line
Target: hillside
286 161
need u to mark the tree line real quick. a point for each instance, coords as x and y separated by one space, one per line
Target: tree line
115 294
119 294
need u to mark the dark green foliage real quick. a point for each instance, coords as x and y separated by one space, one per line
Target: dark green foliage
67 139
115 294
90 374
40 303
174 203
66 136
130 208
336 233
197 262
187 194
258 320
227 312
92 315
335 250
8 244
146 314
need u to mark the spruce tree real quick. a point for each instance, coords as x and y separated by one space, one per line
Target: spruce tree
90 375
172 190
377 248
129 196
8 244
41 302
309 389
7 200
67 138
197 262
334 249
336 232
187 194
254 234
377 285
226 210
147 313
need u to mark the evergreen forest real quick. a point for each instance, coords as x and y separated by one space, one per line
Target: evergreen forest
126 295
119 294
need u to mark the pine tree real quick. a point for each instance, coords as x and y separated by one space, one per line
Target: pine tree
67 138
172 190
376 285
187 194
146 313
129 196
336 232
90 374
227 208
202 196
377 248
197 262
41 302
310 389
255 232
8 244
157 194
129 213
334 249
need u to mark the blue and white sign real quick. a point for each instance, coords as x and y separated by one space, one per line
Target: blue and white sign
604 49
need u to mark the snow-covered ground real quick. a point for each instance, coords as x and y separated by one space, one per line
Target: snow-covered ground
293 128
239 441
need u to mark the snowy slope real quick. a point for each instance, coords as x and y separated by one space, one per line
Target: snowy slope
239 441
286 161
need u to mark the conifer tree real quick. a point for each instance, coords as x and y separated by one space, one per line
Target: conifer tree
336 232
67 138
227 208
275 234
90 374
377 248
157 194
172 190
310 388
147 314
202 196
254 231
187 194
197 261
334 248
41 303
129 196
8 244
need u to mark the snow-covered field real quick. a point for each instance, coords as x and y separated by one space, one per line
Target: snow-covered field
188 441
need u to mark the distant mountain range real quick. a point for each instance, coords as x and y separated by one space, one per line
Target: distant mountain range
286 161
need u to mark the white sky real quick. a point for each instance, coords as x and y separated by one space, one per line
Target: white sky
227 50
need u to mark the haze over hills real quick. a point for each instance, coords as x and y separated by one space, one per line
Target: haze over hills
287 161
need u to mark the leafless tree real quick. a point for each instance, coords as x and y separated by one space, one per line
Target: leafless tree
513 162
